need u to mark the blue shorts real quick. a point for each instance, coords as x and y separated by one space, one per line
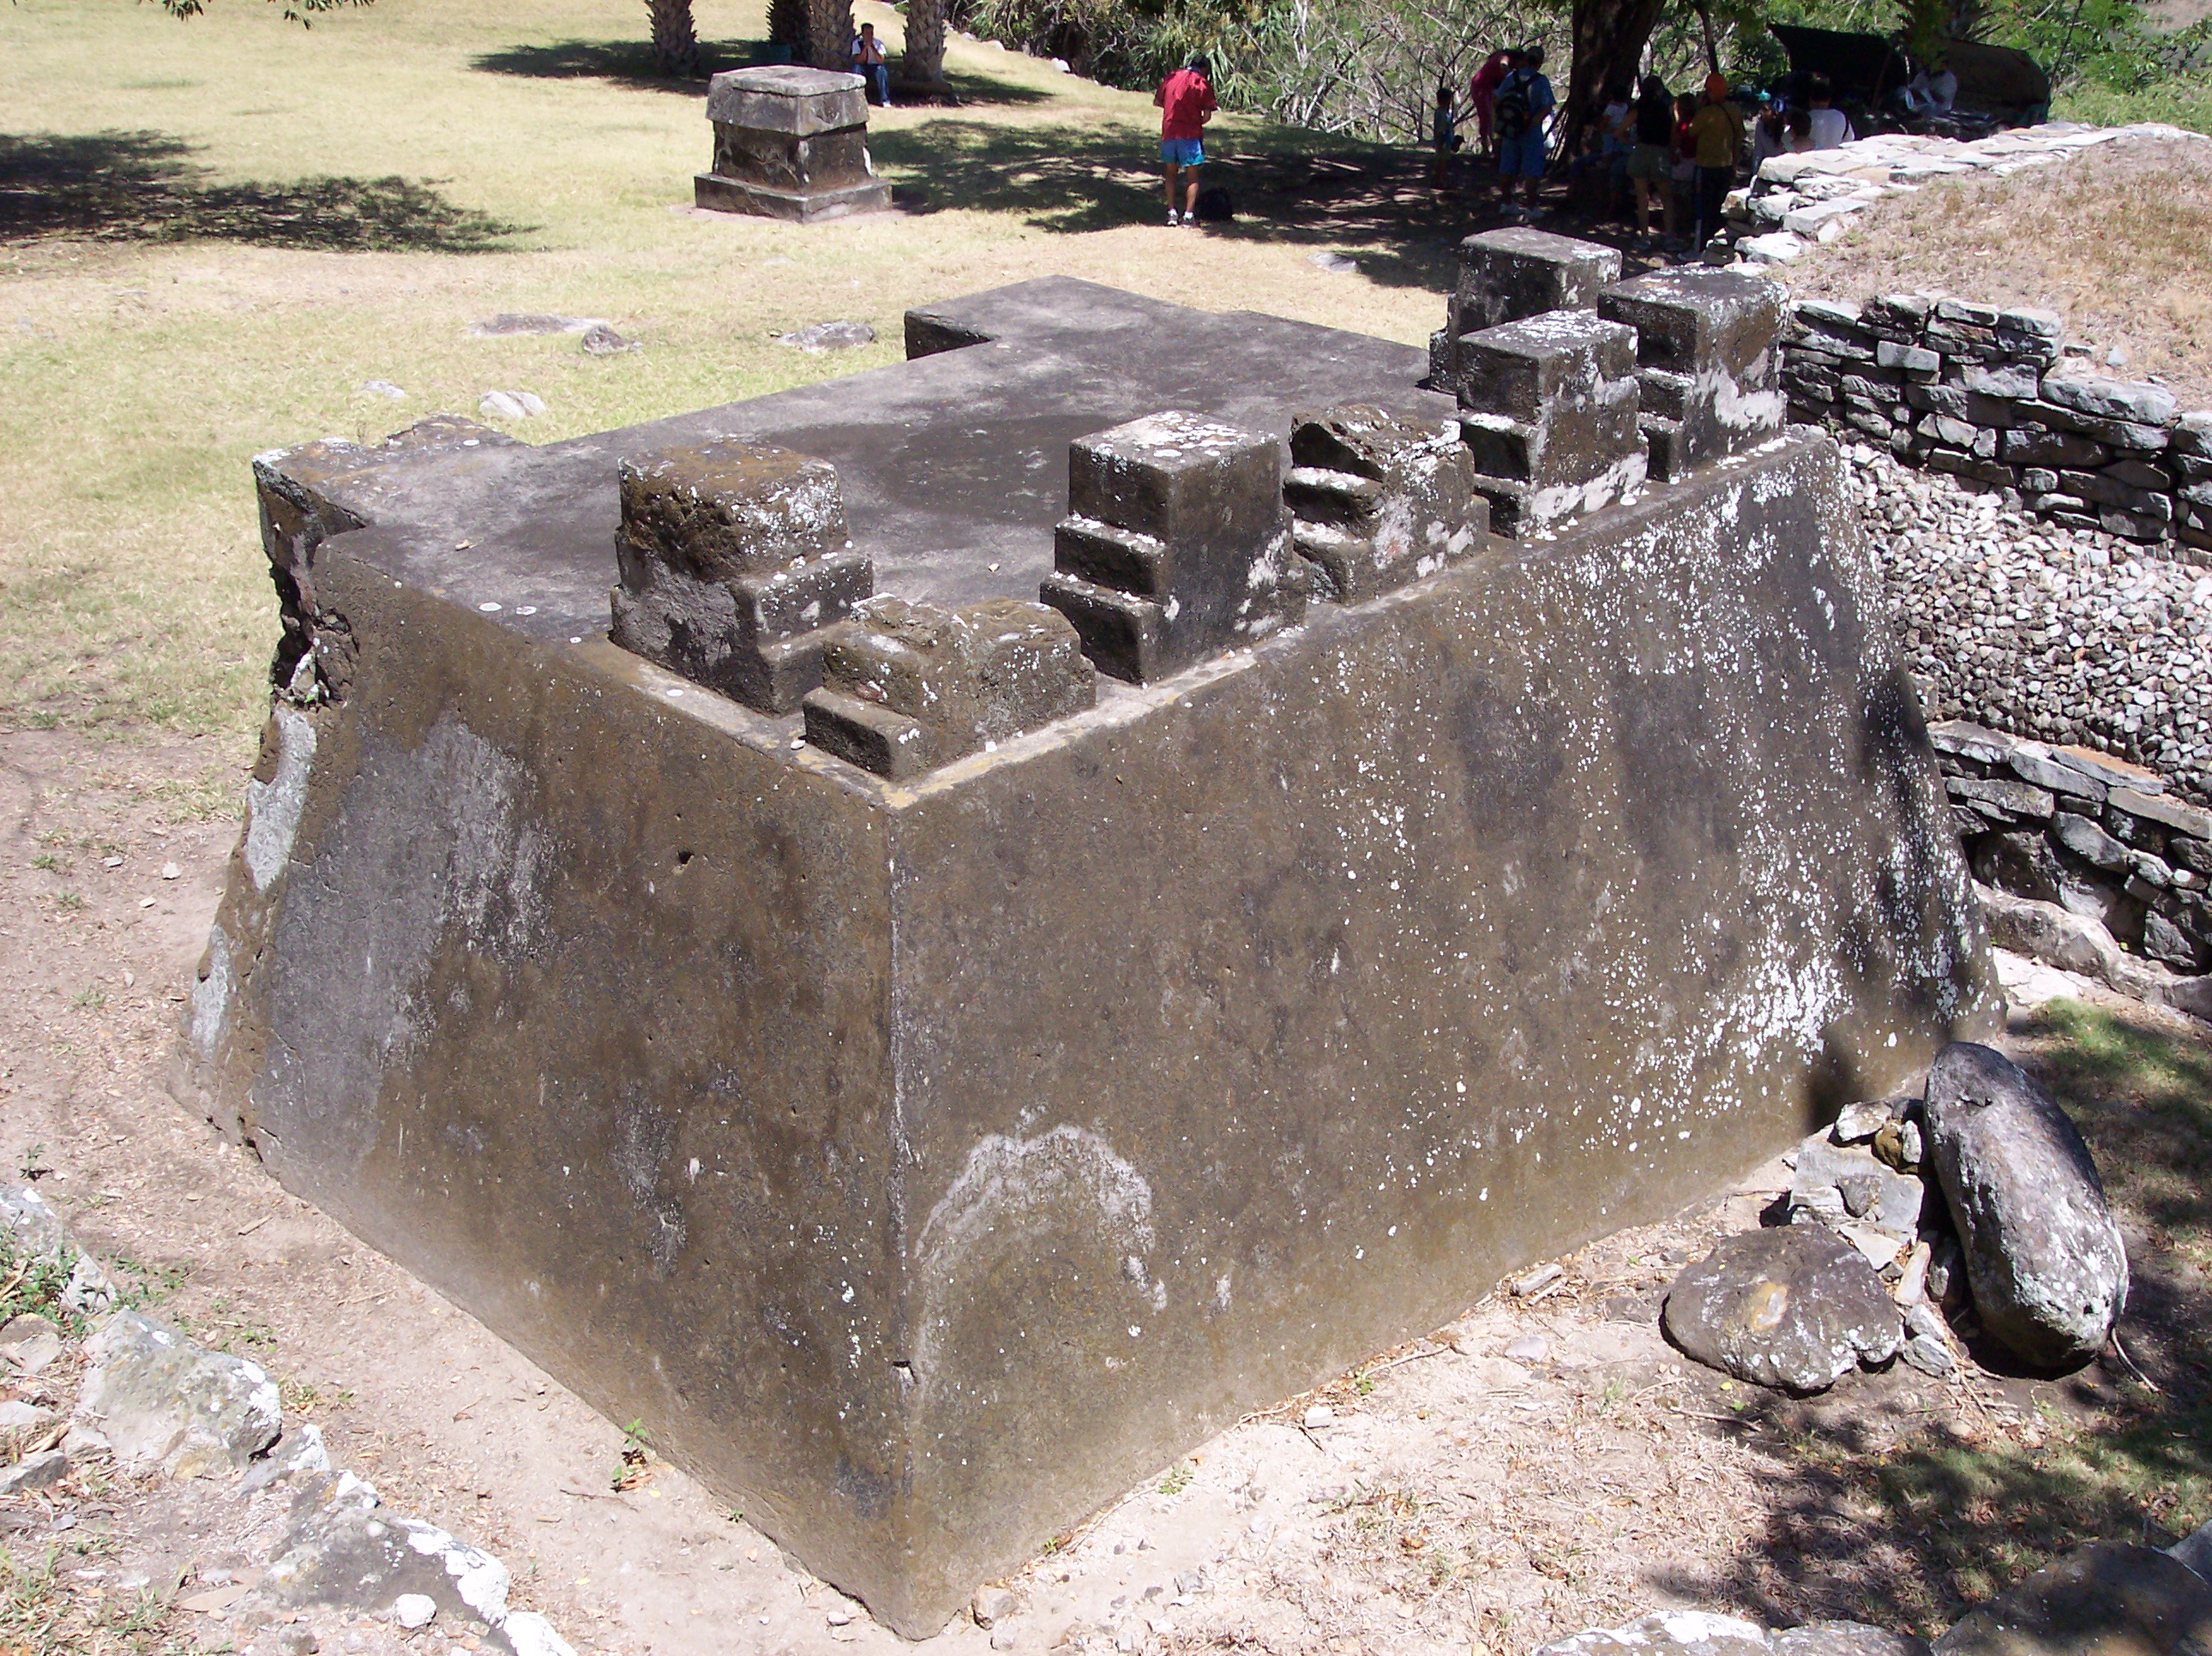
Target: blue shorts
1183 152
1522 157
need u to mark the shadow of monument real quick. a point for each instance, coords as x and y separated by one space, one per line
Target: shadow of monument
1071 179
1870 1519
143 187
629 63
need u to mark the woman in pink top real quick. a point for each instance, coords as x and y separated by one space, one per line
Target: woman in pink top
1484 88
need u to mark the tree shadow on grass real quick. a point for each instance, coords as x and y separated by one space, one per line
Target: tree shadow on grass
1880 1520
1071 179
629 63
143 187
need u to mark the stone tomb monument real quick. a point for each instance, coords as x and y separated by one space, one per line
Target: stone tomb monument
1087 892
790 143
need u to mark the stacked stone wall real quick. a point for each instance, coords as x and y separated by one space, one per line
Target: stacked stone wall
1994 395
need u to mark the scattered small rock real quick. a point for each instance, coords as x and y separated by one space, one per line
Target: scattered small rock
162 1400
511 405
1797 1306
1699 1633
509 323
1529 1347
992 1605
828 336
297 1640
29 1343
1538 1280
1859 1122
16 1416
38 1471
2111 1597
1929 1356
1334 264
2196 1552
414 1610
381 388
1319 1416
2044 1255
600 340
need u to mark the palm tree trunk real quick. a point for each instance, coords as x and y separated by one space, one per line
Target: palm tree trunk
829 33
924 62
675 41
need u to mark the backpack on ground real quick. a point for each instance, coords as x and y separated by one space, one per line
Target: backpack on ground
1511 109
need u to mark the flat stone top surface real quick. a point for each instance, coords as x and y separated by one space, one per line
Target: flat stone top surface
787 98
954 467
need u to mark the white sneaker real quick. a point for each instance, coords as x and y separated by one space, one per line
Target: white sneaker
1174 218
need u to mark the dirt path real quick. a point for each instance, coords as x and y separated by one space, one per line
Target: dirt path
1450 1497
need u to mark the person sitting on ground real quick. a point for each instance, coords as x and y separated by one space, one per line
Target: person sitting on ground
1719 140
1524 100
1798 131
873 64
1186 102
1483 89
1832 127
1651 161
1929 95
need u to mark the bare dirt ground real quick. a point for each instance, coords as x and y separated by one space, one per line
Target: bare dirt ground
1451 1499
2117 241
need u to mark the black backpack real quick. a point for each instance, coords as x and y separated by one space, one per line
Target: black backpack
1510 114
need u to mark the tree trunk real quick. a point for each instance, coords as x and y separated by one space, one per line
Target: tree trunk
829 33
924 60
1609 38
675 41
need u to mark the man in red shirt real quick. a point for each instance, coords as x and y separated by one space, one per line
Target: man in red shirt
1185 100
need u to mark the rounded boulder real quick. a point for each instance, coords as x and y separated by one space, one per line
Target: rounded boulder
2044 1255
1798 1308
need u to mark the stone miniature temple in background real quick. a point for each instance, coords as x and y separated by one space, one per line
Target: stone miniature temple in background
790 143
939 937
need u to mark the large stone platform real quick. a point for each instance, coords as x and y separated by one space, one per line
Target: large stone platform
925 1156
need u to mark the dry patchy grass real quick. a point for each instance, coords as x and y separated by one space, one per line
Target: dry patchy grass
2119 242
212 233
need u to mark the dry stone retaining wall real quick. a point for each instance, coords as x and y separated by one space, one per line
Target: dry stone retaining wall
1995 395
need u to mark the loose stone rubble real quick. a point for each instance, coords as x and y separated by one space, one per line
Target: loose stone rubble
155 1405
1863 1260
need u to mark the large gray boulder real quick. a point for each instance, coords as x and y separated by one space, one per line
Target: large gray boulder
2044 1254
2109 1599
1797 1307
162 1401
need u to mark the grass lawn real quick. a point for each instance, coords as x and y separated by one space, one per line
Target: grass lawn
213 232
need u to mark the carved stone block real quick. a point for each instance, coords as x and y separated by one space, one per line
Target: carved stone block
734 562
1177 546
908 687
1377 502
790 143
1550 416
1508 275
1707 365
